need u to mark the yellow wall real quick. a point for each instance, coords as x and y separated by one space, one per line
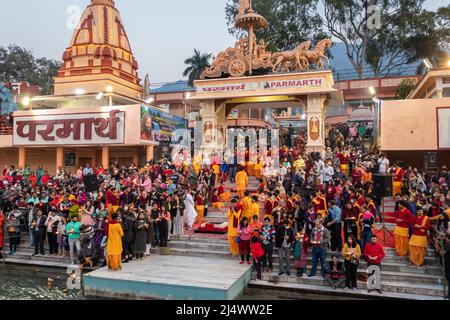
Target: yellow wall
410 124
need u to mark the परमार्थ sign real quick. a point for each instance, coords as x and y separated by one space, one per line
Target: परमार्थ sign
70 129
264 85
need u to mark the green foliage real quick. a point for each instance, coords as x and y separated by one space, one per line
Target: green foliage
196 64
289 22
407 32
19 64
405 88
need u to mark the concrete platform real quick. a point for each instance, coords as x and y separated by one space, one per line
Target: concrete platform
171 277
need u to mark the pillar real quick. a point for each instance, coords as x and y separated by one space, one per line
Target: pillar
315 115
59 157
149 152
136 156
22 157
105 156
208 126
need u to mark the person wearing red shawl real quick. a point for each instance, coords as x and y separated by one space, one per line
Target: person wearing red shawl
401 231
360 198
344 159
398 179
330 191
371 206
33 179
268 206
419 240
356 175
320 204
45 178
290 204
112 202
350 217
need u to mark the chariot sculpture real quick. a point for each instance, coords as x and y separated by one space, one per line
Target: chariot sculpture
248 55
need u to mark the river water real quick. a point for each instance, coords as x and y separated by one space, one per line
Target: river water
31 283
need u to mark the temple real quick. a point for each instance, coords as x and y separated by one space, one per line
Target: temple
94 116
99 55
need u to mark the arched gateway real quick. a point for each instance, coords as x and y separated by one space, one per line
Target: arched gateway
284 79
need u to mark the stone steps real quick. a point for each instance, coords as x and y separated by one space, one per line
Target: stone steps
387 279
224 246
326 290
387 266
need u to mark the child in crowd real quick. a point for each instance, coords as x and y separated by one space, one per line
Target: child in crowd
257 254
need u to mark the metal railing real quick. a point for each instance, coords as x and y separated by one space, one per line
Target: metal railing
439 244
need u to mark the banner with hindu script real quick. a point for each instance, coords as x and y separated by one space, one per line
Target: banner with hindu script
443 128
158 126
96 128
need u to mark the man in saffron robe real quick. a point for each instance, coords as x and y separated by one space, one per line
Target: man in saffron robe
398 179
114 233
233 217
247 206
419 241
401 231
241 182
200 202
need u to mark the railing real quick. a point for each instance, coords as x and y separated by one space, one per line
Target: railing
438 237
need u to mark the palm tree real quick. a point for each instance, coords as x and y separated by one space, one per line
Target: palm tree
196 64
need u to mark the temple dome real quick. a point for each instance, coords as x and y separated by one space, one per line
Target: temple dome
361 114
99 50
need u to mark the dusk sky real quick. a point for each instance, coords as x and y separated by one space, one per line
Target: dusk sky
162 32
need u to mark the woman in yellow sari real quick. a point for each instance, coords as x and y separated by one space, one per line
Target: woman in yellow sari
114 234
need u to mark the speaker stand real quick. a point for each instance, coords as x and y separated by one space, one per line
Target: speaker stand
383 226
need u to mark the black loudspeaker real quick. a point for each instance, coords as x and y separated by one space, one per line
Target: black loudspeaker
90 183
382 185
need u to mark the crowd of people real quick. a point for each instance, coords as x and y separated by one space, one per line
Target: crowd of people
310 205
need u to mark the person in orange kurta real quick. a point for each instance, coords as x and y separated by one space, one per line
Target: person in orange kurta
241 182
401 231
114 234
398 180
419 240
233 217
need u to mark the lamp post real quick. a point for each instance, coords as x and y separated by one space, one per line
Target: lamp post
27 103
375 115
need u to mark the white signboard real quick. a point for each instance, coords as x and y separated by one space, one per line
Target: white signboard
264 85
96 128
443 128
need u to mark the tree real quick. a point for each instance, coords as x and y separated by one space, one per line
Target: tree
405 32
289 22
405 88
196 64
19 64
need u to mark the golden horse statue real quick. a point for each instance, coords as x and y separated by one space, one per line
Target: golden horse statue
294 59
317 55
